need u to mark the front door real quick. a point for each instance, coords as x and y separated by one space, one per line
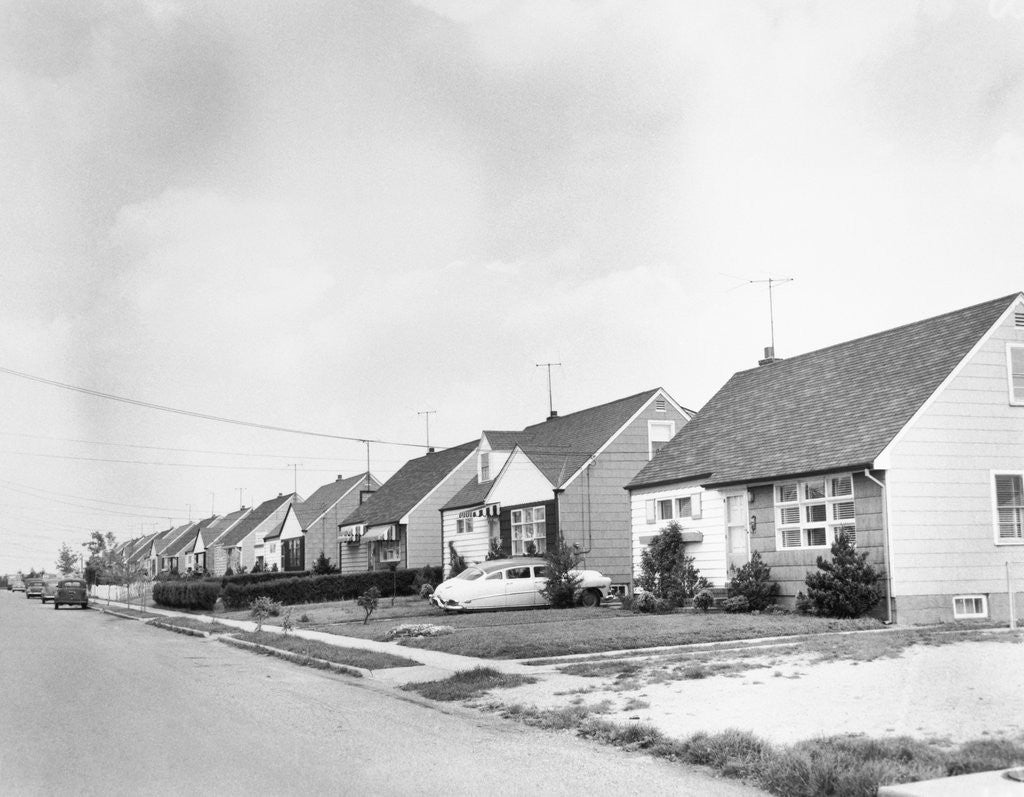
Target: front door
737 552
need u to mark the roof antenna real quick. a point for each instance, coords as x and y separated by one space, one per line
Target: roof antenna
769 354
428 413
551 406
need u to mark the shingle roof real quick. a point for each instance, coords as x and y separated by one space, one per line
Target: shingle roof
224 524
252 520
171 542
408 486
502 440
323 498
834 408
561 446
473 493
275 532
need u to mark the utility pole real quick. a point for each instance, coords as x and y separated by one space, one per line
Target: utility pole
551 405
428 413
295 472
771 304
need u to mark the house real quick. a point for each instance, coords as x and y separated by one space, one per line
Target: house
319 518
400 524
910 440
194 551
242 545
169 549
215 556
562 479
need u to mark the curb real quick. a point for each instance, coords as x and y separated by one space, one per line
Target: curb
115 613
158 623
298 658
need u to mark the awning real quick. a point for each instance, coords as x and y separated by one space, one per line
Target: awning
487 510
381 533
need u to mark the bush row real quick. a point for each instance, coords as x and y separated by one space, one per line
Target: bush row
335 587
257 578
186 594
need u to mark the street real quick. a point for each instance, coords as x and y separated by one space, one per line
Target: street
94 704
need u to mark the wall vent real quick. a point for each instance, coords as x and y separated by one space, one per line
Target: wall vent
1018 319
660 405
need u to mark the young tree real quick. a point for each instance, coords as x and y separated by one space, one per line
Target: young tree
67 560
560 589
665 569
322 566
754 582
847 586
495 551
455 562
368 601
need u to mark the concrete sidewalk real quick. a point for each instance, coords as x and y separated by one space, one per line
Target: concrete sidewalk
424 665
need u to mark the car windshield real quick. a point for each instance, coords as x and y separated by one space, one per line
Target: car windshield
470 574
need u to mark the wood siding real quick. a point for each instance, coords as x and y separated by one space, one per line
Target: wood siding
423 541
323 533
594 510
940 493
470 545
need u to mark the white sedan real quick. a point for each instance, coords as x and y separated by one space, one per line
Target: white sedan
512 584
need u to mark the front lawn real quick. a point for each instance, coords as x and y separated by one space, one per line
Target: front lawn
314 649
559 632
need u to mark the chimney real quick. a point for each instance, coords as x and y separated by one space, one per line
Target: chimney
430 450
553 415
769 356
339 477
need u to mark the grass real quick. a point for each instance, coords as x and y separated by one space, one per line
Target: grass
559 632
325 616
192 624
843 766
314 649
468 684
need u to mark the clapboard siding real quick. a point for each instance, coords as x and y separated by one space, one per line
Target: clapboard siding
470 545
423 540
940 484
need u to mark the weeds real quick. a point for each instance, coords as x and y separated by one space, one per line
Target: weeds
468 684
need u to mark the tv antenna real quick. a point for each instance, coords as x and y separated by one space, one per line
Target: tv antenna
551 405
771 303
427 413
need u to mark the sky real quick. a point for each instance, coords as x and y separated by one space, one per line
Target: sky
335 216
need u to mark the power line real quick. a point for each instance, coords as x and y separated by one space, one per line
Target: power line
84 498
81 506
197 466
193 414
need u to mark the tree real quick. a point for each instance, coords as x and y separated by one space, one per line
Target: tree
665 569
562 583
67 560
754 582
322 566
368 601
456 563
495 551
846 586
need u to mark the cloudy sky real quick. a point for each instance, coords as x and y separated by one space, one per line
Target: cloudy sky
332 216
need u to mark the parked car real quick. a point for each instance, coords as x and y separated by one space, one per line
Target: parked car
34 588
17 584
71 592
49 588
512 584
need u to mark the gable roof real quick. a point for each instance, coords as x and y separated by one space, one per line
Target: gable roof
560 446
275 532
173 540
323 498
501 440
835 408
247 524
417 477
224 524
472 493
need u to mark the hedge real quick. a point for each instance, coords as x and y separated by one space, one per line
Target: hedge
253 578
186 594
318 589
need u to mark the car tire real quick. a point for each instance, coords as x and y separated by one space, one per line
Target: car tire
55 605
590 598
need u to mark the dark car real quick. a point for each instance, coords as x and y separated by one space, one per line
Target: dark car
34 588
71 592
49 588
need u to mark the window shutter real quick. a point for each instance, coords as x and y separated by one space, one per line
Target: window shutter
695 506
651 517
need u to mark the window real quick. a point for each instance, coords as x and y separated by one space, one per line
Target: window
1009 489
485 466
463 525
673 508
1015 372
390 550
293 554
658 434
528 526
812 513
517 572
273 547
967 606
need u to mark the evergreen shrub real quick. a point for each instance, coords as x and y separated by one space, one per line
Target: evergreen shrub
754 582
846 586
186 594
319 589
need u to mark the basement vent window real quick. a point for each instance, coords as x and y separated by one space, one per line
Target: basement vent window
970 607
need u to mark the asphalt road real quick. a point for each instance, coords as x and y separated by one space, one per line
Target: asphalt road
93 704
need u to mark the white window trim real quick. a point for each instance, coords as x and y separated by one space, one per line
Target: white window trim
651 426
830 524
539 540
995 506
1015 401
972 616
390 550
484 471
651 508
463 525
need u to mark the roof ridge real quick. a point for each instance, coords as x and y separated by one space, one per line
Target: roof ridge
961 311
558 418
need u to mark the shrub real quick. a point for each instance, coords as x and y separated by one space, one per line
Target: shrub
456 564
846 586
368 601
648 603
754 582
803 604
426 591
260 578
560 589
318 589
229 572
322 566
186 594
736 605
703 600
495 551
262 608
666 571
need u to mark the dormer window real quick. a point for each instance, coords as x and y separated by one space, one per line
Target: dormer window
1015 372
658 434
485 466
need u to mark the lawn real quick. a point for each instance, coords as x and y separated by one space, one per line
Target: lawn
352 657
559 632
